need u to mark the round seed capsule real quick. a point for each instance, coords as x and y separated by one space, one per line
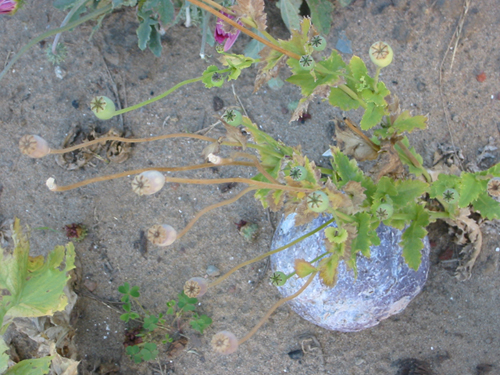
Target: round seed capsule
34 146
147 183
381 54
195 287
225 342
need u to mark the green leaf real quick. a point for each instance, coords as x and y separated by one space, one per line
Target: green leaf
64 4
303 268
125 317
124 289
207 77
372 116
412 239
200 323
290 13
134 292
36 287
347 170
338 98
321 15
38 366
470 189
4 358
406 160
364 238
408 191
164 8
328 270
406 123
145 29
253 48
487 206
444 181
155 42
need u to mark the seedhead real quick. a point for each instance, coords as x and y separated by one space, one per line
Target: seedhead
225 342
195 287
162 235
34 146
148 183
103 107
381 54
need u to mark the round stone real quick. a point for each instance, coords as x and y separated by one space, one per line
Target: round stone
384 286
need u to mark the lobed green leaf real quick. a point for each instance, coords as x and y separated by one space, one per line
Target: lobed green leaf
412 239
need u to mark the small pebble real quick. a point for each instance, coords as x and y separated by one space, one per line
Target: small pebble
60 73
75 104
481 77
218 103
343 44
213 271
296 354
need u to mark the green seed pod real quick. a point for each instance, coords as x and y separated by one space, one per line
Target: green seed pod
103 107
381 54
450 196
278 278
232 117
318 43
318 201
298 173
217 79
307 62
384 211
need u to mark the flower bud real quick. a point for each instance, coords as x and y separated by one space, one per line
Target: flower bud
225 342
148 183
162 235
195 287
306 62
318 43
103 107
381 54
34 146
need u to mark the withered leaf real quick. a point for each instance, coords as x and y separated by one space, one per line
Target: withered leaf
353 144
275 200
176 348
271 63
76 159
304 214
356 192
388 164
234 134
253 9
212 148
118 152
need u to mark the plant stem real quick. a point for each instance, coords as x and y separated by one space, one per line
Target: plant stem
414 160
161 96
67 27
65 21
352 94
265 255
275 306
375 80
244 30
210 208
257 165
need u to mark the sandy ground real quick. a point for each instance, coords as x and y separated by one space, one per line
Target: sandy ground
452 326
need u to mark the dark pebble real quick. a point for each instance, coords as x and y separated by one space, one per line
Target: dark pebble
218 103
296 354
413 366
420 85
75 104
483 369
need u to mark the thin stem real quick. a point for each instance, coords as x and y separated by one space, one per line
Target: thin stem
275 306
257 165
265 255
67 27
64 22
375 80
352 94
414 160
132 140
204 29
159 169
161 96
244 30
210 208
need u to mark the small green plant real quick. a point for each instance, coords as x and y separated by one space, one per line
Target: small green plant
142 342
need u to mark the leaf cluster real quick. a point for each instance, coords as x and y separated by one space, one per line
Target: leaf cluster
182 308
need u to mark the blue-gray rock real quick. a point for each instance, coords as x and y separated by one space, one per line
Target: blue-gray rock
384 286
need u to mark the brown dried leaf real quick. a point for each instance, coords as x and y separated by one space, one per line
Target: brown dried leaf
393 107
118 152
469 231
176 348
356 192
234 134
275 199
388 164
304 214
269 67
212 148
354 144
253 9
76 159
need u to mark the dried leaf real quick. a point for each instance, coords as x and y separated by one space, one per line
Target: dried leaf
234 134
253 9
275 200
303 268
76 159
118 152
269 67
353 144
356 192
176 348
212 148
388 164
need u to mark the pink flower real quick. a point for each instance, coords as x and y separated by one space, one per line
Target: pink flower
221 35
8 6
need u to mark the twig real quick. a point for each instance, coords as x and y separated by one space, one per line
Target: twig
456 35
239 101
